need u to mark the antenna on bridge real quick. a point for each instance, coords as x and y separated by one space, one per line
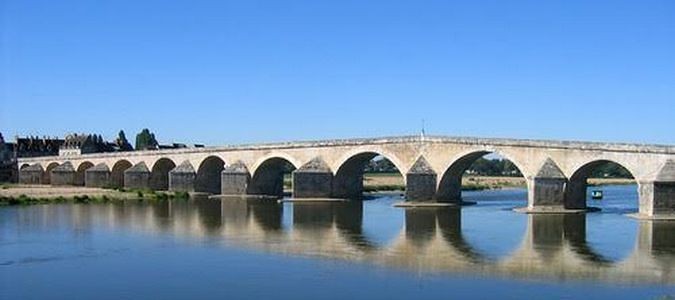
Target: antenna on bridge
422 133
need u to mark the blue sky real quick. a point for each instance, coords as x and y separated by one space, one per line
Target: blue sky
220 72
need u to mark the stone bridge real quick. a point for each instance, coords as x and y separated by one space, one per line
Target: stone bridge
432 168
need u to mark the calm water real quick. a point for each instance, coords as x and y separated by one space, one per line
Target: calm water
251 249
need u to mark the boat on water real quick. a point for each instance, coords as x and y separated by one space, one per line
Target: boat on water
596 194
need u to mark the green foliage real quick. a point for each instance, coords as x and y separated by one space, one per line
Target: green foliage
122 142
493 167
145 140
81 199
383 187
610 170
381 165
181 195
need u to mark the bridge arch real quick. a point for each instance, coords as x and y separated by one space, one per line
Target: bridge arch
24 166
348 179
576 189
208 175
268 177
159 175
394 159
47 175
450 184
79 173
282 155
117 173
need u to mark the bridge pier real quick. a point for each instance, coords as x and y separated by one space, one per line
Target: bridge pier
182 178
31 174
546 190
137 177
657 198
313 180
97 176
420 182
235 179
64 174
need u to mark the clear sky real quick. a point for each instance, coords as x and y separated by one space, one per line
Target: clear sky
220 72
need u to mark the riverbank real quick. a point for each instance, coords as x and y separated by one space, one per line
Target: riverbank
15 194
394 181
12 194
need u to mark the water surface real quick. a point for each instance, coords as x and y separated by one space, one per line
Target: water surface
205 248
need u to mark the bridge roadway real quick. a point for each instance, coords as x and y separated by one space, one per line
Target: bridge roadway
556 171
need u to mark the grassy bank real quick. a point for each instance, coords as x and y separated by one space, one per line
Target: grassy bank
27 195
394 182
376 182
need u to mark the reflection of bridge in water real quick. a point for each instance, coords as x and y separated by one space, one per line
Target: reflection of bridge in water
553 246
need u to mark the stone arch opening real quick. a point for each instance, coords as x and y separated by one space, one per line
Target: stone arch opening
24 166
601 172
117 173
208 178
476 171
272 178
47 176
79 173
366 172
159 175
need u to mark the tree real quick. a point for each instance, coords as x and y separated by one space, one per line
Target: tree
610 170
493 167
146 140
122 142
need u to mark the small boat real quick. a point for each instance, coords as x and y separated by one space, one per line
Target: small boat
596 195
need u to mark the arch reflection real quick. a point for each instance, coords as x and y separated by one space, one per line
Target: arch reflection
341 220
430 240
550 236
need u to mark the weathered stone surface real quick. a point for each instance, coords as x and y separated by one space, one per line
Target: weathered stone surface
97 176
657 198
550 170
64 174
137 177
420 182
420 187
547 188
664 198
421 166
317 164
312 184
182 178
235 179
547 192
31 174
667 173
313 180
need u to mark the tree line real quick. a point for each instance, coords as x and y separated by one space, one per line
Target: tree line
500 167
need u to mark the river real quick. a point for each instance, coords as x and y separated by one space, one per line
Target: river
254 249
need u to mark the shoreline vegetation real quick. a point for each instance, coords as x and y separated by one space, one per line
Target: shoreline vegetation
379 182
16 194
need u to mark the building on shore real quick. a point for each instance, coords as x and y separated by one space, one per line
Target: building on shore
33 146
8 169
76 144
